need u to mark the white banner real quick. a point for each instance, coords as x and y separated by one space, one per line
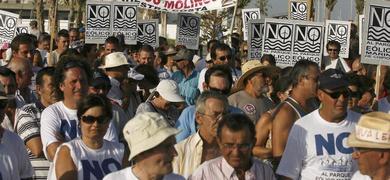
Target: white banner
7 26
376 33
248 14
299 9
21 29
290 41
190 6
124 19
148 32
338 31
188 31
255 38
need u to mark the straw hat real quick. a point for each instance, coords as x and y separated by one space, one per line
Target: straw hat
249 68
114 59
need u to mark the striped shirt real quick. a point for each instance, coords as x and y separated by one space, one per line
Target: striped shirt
28 127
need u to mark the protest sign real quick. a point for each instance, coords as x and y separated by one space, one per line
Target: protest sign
21 29
182 6
361 19
148 32
7 26
290 41
188 30
248 14
299 9
98 22
376 33
124 21
338 31
255 38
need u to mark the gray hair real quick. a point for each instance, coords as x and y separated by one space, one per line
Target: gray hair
201 101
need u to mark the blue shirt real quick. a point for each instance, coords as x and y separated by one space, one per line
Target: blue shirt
187 124
188 87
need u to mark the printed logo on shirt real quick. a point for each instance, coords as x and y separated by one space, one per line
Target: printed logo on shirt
68 129
250 109
331 143
99 170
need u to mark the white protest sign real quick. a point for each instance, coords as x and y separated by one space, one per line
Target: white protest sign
148 32
124 21
183 6
188 31
255 38
21 29
376 33
99 23
7 26
361 20
248 14
338 31
290 41
299 9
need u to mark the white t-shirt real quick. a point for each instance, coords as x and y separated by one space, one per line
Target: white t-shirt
201 79
317 149
127 174
57 119
14 161
333 64
384 105
93 163
360 176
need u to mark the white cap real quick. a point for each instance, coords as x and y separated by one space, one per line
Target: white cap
114 59
169 90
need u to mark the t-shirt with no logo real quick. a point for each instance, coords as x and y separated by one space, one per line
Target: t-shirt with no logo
317 149
57 119
127 174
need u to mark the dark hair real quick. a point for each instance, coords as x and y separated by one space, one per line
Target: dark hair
94 100
21 39
62 33
66 62
86 49
74 30
162 41
270 58
112 40
44 37
280 85
163 57
219 47
6 72
236 122
150 74
211 43
333 43
300 69
146 48
220 71
49 71
386 82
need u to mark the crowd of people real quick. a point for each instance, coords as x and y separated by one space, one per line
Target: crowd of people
117 111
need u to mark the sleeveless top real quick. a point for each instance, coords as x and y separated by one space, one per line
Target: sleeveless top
93 163
296 106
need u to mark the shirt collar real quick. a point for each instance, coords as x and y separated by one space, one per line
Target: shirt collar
229 171
114 82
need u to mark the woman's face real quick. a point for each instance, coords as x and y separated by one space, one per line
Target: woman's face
94 123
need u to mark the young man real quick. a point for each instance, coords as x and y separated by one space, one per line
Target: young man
62 42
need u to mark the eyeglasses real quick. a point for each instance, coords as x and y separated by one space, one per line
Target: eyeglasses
221 91
333 50
3 104
216 118
337 94
92 119
241 147
224 58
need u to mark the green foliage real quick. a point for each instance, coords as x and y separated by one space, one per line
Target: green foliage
211 25
330 4
263 5
359 6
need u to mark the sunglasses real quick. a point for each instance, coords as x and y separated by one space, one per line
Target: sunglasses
337 94
224 58
333 50
3 104
221 91
92 119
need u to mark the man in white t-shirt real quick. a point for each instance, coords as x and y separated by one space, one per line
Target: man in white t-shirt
59 122
372 153
317 145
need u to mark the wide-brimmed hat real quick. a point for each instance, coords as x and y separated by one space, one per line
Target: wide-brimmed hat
372 131
170 52
114 59
184 54
248 69
146 131
169 90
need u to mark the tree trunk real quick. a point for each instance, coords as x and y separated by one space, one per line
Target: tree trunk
71 14
53 24
39 12
79 14
328 13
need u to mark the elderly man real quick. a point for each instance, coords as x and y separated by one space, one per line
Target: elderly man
316 147
371 152
151 142
201 146
250 97
333 61
235 137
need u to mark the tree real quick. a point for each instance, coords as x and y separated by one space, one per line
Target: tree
263 5
359 6
211 25
329 7
53 23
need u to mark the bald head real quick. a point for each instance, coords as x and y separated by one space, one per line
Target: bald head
22 67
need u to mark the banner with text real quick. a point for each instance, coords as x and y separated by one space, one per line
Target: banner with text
124 19
189 6
248 14
188 31
338 31
291 40
299 9
7 26
376 33
148 32
255 38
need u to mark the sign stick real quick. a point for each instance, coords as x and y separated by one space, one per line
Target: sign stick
378 81
232 25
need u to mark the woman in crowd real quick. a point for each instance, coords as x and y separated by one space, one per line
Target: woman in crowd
90 157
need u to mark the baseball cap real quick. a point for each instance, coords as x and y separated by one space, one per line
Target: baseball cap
169 90
183 54
332 79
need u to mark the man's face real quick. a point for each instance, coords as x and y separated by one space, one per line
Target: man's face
368 160
358 68
236 147
310 81
73 36
110 48
335 101
219 84
333 51
181 64
353 100
222 57
75 84
257 82
366 100
9 84
45 45
159 159
208 121
62 43
146 57
45 91
25 51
